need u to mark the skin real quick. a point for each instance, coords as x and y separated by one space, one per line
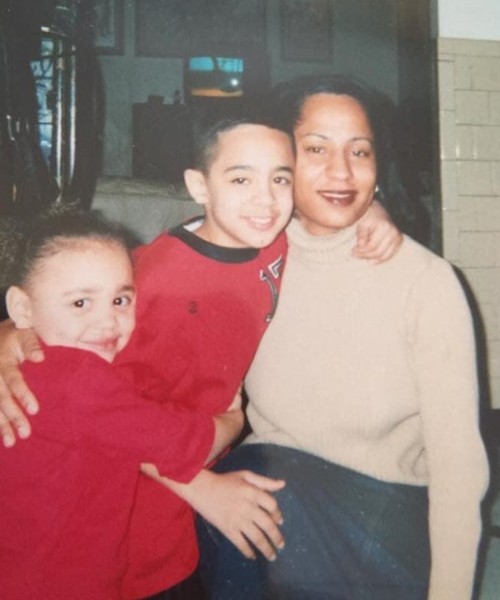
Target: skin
81 297
246 193
336 167
84 297
238 503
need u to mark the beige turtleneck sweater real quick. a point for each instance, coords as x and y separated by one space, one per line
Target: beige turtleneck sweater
373 367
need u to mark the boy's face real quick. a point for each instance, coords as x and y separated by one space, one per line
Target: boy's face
247 192
335 172
84 297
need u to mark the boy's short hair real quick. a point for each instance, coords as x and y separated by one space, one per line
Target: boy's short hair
208 124
26 239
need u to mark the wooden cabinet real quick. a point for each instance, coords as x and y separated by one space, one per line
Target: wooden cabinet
161 141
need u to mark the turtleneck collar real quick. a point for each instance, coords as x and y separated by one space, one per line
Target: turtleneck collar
320 249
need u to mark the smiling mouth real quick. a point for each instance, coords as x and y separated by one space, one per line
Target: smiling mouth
104 345
261 223
338 198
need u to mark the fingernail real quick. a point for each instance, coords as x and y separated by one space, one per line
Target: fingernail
31 409
8 441
23 432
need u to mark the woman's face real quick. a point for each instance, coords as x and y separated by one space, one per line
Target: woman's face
335 173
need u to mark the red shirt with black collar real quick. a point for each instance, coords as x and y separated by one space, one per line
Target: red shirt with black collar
202 311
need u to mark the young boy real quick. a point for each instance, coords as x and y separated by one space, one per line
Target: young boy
207 291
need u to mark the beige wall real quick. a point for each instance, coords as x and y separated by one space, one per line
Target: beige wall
469 117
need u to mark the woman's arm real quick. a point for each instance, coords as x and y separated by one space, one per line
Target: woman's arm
445 362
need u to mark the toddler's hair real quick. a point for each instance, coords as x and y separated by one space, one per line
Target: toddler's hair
24 241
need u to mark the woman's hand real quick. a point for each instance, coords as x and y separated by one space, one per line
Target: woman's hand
16 399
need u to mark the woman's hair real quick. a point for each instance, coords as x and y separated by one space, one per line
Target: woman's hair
289 98
207 125
25 241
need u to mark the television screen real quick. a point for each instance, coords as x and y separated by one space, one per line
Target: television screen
214 77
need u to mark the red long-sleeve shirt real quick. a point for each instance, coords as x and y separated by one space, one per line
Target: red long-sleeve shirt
67 492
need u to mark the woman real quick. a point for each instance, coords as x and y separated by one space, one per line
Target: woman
363 393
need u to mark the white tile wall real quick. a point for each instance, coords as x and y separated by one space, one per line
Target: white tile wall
469 111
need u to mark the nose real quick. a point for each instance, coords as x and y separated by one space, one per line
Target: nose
107 320
264 195
338 166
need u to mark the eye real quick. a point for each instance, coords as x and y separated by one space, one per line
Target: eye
282 180
240 180
359 153
81 303
315 150
122 301
362 150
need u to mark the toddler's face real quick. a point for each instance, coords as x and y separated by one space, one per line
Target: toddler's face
84 297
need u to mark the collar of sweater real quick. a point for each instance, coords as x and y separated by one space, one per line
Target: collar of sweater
320 249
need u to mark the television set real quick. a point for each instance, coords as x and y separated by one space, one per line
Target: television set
214 77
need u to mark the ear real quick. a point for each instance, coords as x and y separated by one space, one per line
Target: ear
19 307
196 185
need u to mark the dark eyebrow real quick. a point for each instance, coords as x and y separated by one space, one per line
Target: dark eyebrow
250 168
80 291
238 168
360 138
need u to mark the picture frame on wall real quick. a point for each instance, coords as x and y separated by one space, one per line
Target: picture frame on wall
108 26
306 30
176 28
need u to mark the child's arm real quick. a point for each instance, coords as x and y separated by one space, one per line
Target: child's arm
378 238
16 399
228 427
240 504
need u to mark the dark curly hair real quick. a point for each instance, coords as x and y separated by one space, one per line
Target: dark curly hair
24 240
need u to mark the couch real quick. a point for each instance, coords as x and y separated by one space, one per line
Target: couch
145 207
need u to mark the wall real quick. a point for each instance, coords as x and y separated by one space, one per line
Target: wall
364 43
469 116
469 19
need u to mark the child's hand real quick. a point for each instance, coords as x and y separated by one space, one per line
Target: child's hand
378 238
16 398
241 506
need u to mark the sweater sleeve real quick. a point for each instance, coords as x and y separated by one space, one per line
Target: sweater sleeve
445 364
110 418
